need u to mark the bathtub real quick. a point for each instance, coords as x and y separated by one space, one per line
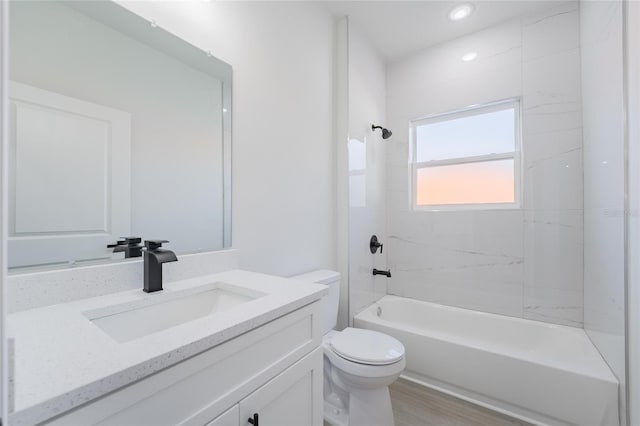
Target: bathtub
541 373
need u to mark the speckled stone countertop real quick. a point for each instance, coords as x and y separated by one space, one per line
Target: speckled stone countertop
63 360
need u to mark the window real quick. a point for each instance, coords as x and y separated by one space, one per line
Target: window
467 159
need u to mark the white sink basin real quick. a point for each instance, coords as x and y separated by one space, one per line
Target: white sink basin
160 311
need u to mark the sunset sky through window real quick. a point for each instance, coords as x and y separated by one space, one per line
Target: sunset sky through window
481 182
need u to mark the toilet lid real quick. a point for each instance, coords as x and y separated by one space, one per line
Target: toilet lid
367 347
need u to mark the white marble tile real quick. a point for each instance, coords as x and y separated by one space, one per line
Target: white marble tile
553 78
496 47
437 80
553 305
541 147
432 97
364 288
360 294
367 87
602 87
364 222
552 120
479 259
465 292
604 270
552 93
553 247
551 31
604 175
554 183
468 259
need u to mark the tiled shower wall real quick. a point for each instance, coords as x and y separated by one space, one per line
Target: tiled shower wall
367 166
523 262
601 30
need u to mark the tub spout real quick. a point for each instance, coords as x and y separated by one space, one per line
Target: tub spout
386 273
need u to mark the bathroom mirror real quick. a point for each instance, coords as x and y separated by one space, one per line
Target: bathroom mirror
117 128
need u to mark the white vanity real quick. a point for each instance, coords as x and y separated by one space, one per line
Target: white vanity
212 350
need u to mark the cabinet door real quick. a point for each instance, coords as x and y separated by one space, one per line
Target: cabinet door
231 417
293 398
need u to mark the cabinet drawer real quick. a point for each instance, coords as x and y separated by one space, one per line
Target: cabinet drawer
199 389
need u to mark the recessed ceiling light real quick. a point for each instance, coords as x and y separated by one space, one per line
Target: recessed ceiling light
461 11
469 56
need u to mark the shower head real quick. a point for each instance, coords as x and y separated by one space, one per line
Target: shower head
386 134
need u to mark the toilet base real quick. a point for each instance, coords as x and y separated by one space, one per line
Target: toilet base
370 407
335 416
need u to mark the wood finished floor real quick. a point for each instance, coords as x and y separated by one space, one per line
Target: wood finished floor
415 405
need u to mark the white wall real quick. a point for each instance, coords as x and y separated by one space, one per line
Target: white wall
341 128
604 168
176 176
526 262
283 153
367 210
633 284
4 135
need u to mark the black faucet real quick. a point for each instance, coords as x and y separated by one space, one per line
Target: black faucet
386 273
129 245
154 257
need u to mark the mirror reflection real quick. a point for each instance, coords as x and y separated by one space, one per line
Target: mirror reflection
118 129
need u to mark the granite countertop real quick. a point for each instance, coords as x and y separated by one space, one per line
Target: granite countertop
63 360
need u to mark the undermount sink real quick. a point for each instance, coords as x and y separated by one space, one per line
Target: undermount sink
132 320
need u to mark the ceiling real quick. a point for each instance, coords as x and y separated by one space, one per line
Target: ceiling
397 29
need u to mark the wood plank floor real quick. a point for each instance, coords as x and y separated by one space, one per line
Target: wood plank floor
415 405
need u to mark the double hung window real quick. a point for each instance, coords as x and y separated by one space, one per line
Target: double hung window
467 159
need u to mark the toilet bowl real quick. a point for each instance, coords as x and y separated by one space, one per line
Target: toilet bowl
359 365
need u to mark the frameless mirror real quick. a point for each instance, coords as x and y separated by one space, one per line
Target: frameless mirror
118 128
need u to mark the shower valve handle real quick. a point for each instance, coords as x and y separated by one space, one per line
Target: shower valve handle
374 244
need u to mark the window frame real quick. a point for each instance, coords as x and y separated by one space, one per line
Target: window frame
472 110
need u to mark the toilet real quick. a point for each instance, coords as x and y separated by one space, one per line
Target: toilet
359 365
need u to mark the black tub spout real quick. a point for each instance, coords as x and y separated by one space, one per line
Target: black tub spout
386 273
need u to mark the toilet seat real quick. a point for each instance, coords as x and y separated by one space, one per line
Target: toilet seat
367 347
362 370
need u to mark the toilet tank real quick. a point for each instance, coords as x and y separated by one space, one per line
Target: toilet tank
331 301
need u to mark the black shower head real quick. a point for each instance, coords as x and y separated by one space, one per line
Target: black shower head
386 134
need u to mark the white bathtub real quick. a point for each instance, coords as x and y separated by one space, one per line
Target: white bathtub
541 373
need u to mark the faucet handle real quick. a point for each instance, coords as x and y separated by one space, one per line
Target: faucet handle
117 243
154 244
126 241
374 244
132 240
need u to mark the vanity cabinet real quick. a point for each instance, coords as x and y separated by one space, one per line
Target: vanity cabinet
274 370
293 398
